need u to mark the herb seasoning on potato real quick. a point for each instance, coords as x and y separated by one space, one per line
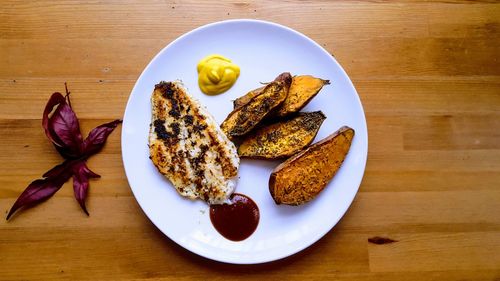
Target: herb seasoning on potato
302 90
302 177
284 138
243 119
247 97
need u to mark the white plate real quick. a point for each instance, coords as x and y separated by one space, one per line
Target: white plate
262 50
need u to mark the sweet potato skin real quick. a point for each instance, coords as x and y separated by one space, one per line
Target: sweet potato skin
244 118
302 90
283 138
247 97
302 177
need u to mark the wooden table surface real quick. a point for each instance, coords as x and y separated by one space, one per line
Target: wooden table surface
428 75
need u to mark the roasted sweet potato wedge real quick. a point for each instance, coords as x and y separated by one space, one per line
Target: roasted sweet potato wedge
244 118
284 138
302 177
247 97
302 90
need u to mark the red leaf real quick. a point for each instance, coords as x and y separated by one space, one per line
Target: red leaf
57 170
62 128
65 126
81 175
98 136
41 189
55 99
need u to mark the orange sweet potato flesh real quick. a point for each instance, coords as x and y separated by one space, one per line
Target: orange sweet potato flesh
302 177
302 90
282 139
244 118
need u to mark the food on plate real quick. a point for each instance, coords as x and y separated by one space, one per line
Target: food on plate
302 90
216 74
235 221
247 97
302 177
284 138
243 119
188 147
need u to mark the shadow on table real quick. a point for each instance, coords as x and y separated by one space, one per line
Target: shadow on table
194 261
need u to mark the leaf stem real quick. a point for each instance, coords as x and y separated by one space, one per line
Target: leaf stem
67 94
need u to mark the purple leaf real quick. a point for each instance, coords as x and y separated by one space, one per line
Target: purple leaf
63 130
98 136
41 189
81 176
57 170
65 126
55 99
62 127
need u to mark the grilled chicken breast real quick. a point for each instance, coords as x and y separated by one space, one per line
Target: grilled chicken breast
188 147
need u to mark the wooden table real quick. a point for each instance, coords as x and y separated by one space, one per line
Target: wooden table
428 74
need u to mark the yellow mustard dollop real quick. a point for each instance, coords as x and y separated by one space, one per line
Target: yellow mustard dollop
216 74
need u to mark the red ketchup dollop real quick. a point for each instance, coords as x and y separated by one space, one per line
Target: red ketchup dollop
235 221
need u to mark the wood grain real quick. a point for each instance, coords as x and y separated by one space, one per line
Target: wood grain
427 72
431 252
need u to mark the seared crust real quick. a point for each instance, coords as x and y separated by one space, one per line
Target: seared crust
188 147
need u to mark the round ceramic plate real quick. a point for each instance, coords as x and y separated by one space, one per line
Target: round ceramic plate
262 50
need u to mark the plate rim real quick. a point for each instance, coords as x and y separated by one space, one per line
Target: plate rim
316 237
